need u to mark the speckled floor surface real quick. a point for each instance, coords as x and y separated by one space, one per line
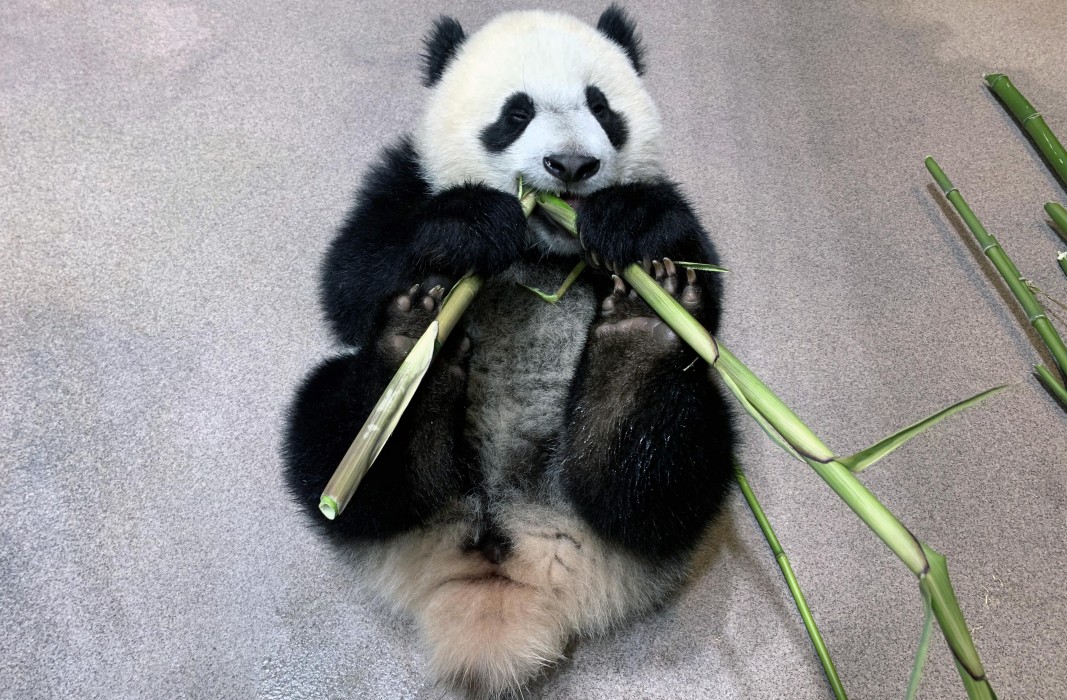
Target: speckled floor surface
170 174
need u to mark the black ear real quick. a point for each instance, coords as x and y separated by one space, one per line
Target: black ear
441 45
616 25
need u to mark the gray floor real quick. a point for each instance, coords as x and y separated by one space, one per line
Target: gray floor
171 172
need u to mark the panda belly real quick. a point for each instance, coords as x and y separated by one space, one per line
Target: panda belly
524 353
486 624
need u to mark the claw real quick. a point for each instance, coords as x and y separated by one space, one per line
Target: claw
413 291
620 286
593 257
671 283
437 292
646 263
658 267
690 275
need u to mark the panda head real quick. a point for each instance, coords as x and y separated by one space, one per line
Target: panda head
539 95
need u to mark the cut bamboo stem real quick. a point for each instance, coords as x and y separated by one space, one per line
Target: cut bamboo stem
794 588
1014 279
1032 121
386 413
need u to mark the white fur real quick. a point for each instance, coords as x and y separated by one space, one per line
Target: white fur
489 628
551 57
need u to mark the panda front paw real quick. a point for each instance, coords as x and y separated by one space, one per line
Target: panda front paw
624 314
408 316
472 228
627 223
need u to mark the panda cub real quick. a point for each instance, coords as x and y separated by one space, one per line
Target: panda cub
560 464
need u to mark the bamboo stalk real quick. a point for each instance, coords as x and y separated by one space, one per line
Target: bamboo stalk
794 588
1014 279
924 562
1051 383
1032 121
386 413
1058 214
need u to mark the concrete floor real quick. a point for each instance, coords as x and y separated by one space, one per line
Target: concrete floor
170 173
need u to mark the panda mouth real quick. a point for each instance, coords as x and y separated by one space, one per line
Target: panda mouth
574 202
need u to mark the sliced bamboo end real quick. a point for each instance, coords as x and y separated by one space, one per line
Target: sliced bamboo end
328 506
992 78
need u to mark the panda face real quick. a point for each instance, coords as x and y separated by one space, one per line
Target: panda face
545 97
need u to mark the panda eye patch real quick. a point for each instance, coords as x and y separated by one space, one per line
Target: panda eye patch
612 122
516 113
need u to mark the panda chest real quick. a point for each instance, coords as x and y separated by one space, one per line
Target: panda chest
524 354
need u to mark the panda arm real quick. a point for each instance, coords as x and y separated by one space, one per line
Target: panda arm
649 219
399 234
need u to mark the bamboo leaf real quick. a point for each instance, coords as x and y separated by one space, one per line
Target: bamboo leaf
865 458
924 646
704 267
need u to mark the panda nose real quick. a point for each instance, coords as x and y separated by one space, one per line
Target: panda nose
571 167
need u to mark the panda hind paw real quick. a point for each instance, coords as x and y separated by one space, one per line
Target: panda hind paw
624 312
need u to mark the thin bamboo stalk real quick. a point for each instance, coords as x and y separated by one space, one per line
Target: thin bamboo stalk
1051 383
794 588
1058 214
1032 121
1014 279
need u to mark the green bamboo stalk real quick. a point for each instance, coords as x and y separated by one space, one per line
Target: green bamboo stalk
1014 279
1058 214
924 562
379 425
921 649
386 413
1032 121
794 587
1051 383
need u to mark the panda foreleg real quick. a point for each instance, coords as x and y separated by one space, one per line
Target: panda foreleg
647 456
421 468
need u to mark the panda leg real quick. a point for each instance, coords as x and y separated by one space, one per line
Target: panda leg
647 456
420 469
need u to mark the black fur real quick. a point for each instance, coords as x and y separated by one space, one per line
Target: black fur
616 25
613 123
653 476
628 223
440 45
516 114
418 470
398 233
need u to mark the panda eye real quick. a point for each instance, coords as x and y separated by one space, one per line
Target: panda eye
518 117
598 109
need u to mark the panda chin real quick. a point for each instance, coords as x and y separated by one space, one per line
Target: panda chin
552 238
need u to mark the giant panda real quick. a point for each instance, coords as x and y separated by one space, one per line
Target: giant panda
558 468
